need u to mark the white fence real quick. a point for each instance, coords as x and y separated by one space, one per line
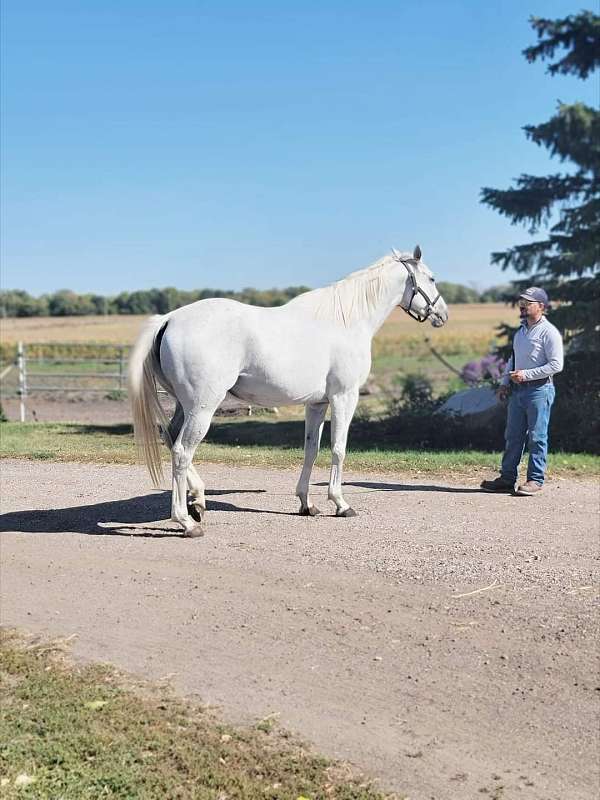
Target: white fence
80 368
98 369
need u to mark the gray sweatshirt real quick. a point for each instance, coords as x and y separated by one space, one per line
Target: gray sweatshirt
537 350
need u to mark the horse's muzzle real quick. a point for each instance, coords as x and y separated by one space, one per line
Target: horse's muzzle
437 320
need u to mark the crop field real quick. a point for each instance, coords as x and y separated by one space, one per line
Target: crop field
469 323
115 329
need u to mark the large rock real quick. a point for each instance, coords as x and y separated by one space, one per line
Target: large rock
479 407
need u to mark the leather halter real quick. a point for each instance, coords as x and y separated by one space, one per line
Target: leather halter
416 290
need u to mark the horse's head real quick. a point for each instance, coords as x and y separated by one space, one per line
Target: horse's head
421 299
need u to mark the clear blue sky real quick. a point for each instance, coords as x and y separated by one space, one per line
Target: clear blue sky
263 143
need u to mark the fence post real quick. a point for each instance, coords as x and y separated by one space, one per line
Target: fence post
22 363
121 365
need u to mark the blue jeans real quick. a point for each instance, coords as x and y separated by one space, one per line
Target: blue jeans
527 423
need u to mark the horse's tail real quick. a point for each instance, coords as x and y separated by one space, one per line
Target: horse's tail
143 368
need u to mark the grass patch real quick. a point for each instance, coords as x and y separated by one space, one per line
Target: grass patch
81 733
258 443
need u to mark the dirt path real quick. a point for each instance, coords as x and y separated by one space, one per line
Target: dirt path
353 632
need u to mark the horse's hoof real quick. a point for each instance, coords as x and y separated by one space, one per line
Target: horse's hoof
194 533
196 511
348 512
310 511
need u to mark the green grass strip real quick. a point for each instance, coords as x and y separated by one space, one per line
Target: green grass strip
83 733
255 444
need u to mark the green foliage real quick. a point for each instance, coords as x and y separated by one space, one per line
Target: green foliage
457 293
17 303
66 303
84 733
502 293
117 395
575 422
579 35
377 446
413 421
417 393
566 262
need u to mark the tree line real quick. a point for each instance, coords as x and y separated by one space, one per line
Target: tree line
66 303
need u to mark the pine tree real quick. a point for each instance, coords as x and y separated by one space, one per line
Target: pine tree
564 208
566 261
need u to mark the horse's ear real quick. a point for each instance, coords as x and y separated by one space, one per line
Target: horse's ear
417 253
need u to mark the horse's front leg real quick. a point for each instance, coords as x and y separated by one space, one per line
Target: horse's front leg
342 411
313 428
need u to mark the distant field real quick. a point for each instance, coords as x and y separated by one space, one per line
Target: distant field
399 348
113 329
471 332
471 322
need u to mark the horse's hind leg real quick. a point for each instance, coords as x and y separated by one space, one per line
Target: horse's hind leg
313 428
197 500
195 484
194 428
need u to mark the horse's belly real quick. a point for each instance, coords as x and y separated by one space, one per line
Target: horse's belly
268 391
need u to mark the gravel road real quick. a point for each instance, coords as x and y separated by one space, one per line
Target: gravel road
442 641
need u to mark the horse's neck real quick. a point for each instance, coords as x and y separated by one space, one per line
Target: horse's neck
386 305
362 301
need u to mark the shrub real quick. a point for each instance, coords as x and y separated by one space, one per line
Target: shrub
486 369
575 420
413 421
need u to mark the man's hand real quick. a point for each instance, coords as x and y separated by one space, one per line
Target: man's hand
518 376
502 393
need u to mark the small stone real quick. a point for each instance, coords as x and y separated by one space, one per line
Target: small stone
24 780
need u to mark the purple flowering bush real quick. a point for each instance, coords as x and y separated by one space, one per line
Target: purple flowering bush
488 369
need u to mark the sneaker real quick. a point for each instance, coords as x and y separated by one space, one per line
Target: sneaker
498 485
529 488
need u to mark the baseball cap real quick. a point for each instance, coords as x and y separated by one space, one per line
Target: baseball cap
536 294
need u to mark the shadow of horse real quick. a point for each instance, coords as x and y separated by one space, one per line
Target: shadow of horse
128 517
117 517
377 486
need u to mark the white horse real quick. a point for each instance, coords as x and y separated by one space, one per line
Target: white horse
313 351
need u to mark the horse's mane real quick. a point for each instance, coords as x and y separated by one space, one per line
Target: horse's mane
352 298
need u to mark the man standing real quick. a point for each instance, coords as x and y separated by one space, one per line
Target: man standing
537 356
